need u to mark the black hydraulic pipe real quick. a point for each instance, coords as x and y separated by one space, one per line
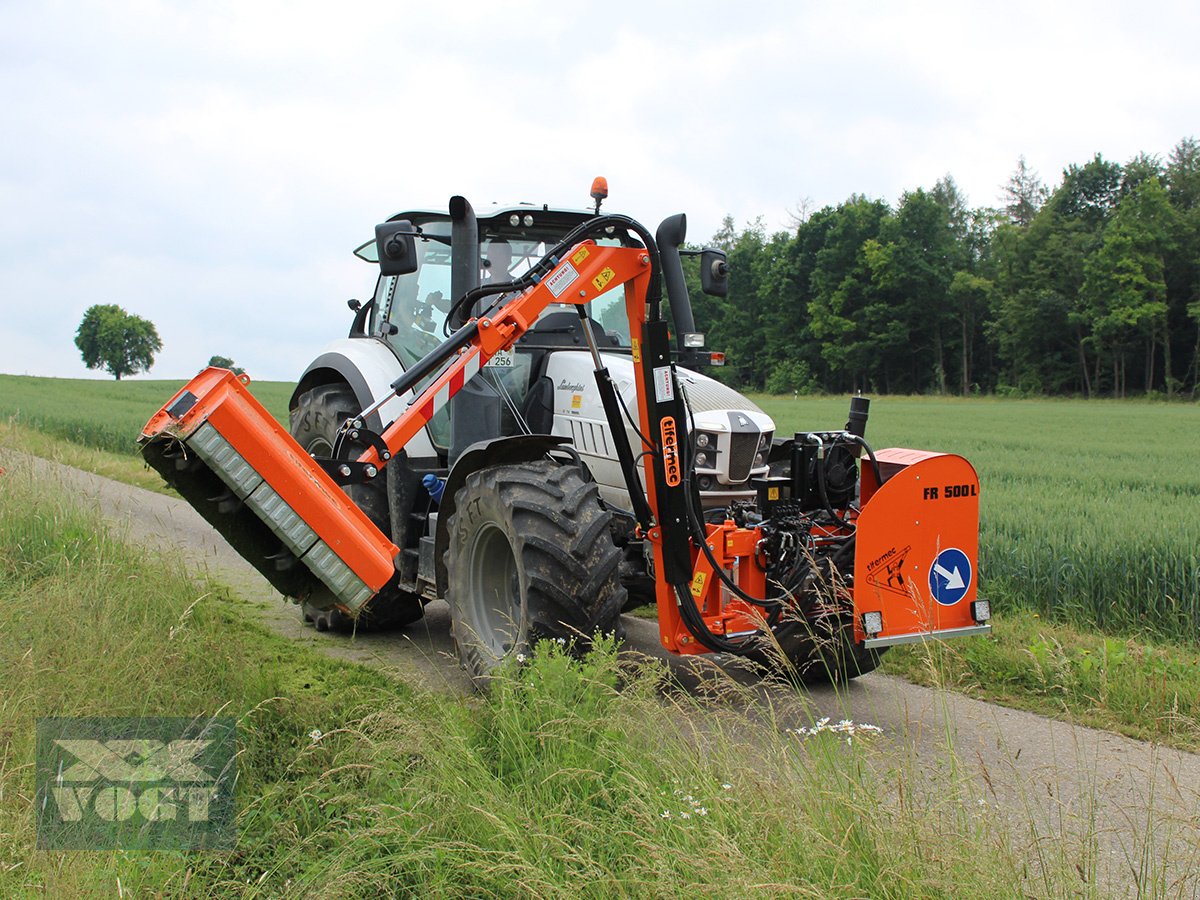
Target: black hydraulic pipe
435 358
637 497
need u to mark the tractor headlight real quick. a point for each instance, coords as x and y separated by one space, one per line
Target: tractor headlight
981 610
701 460
759 460
765 441
704 439
872 623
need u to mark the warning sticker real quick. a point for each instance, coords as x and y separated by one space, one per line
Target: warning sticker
606 275
698 584
887 571
637 350
579 256
664 387
562 279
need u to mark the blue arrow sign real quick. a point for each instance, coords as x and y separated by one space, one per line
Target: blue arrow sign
950 576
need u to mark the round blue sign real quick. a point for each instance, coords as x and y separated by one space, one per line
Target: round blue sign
950 576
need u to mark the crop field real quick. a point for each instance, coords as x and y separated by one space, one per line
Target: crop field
1090 510
104 415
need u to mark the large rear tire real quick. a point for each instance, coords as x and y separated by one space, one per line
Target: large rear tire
314 422
531 557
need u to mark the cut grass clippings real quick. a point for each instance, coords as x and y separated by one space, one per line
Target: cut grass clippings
557 784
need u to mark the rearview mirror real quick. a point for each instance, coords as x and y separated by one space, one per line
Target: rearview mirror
396 247
714 273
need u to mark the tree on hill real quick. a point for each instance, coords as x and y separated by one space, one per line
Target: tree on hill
111 339
224 362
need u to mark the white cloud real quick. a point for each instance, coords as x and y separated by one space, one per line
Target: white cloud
211 166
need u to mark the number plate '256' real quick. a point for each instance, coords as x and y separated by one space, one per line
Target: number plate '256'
502 359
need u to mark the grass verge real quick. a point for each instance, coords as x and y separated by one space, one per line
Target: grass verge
560 783
121 467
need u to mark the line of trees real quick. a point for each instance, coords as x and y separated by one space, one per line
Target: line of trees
1089 288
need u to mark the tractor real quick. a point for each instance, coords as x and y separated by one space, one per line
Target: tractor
516 423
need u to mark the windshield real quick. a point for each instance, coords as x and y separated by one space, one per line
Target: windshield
410 310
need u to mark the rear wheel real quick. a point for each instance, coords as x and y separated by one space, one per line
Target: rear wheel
531 557
314 422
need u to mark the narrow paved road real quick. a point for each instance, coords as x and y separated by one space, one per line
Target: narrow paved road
1138 800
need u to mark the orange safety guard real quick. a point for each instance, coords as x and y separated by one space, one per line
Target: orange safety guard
917 544
224 401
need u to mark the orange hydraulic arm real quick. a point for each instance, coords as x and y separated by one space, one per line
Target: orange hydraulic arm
588 271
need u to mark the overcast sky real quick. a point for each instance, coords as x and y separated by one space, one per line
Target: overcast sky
210 166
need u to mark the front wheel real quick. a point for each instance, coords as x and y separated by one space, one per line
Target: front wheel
530 557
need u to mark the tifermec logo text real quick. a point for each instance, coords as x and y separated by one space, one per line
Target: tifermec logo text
136 783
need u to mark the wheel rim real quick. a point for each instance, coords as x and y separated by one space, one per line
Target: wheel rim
494 604
319 446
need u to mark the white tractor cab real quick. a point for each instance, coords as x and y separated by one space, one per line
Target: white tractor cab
544 386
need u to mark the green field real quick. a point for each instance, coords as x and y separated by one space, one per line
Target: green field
104 415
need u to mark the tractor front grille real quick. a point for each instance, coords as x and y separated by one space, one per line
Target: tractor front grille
742 447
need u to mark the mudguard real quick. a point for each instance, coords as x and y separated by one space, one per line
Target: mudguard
369 366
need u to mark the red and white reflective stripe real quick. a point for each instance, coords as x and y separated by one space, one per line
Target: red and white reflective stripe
470 367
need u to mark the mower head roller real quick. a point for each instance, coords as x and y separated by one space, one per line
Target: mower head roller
229 458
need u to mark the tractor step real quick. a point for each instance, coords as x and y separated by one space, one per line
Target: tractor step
229 458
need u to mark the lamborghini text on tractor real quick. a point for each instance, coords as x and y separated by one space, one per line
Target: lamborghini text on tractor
516 423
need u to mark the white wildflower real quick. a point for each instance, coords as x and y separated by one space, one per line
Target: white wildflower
316 734
847 727
665 814
726 786
521 657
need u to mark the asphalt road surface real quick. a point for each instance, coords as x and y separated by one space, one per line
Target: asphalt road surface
1054 781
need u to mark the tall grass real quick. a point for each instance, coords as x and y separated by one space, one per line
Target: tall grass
572 779
1090 509
104 415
